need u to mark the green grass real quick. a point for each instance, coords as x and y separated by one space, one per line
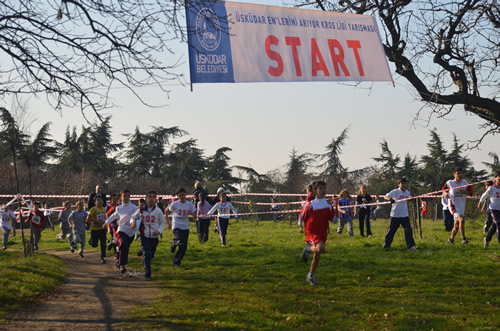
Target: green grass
24 280
258 282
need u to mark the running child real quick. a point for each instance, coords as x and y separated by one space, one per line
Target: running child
97 217
38 220
77 221
493 193
489 220
456 190
315 216
64 224
113 226
126 229
7 222
223 207
399 216
151 223
447 216
345 212
180 210
203 224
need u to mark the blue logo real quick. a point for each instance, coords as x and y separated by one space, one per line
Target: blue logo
208 29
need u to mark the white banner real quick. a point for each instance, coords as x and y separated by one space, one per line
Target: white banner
238 42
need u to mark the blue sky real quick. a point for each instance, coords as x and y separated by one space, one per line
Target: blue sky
262 122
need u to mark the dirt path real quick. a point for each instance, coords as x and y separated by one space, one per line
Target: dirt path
93 297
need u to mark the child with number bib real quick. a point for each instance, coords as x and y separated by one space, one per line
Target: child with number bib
97 217
64 224
223 207
77 221
7 218
38 220
180 210
151 223
315 216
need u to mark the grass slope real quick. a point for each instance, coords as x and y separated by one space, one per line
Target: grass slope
24 280
258 282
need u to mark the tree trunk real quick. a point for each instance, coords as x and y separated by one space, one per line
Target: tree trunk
30 246
18 192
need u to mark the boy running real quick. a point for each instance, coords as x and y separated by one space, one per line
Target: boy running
77 221
97 217
38 220
399 216
180 210
7 218
315 216
151 223
456 193
64 224
493 193
126 229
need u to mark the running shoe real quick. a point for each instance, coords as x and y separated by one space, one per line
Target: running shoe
464 241
451 241
413 248
310 279
306 252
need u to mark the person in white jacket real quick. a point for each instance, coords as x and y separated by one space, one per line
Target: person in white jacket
126 228
151 223
223 209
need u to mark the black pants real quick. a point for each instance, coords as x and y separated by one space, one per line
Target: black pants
202 228
96 237
223 225
489 221
394 224
364 217
448 219
180 240
124 242
149 248
495 216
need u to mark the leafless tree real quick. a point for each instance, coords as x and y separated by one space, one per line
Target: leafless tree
76 51
447 50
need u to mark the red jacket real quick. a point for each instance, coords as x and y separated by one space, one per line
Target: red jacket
37 219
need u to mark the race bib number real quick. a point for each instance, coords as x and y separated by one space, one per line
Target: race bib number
101 218
36 219
148 219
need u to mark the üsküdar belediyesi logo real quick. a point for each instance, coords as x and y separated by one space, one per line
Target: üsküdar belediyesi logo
208 29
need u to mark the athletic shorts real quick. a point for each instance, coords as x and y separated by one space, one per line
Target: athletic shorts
456 215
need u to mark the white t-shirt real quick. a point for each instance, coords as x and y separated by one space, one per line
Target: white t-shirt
180 214
458 197
223 208
6 221
399 209
493 192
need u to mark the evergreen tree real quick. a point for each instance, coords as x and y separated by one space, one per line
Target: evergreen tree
146 152
186 164
331 168
493 166
389 168
296 177
435 164
218 173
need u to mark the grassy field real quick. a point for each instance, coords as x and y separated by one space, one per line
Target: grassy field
24 280
258 282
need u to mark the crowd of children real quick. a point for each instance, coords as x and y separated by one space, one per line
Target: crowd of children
125 220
